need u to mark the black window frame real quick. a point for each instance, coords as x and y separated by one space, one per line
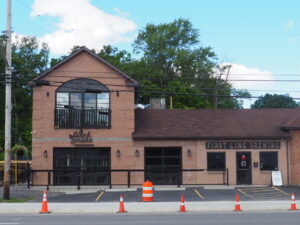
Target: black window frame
163 172
98 118
275 167
216 168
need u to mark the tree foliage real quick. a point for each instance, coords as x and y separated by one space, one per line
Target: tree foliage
274 101
171 60
168 60
29 59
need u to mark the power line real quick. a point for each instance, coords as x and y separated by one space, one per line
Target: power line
191 94
182 76
271 80
107 84
30 9
183 94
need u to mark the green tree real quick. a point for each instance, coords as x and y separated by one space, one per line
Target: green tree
173 52
274 101
168 58
174 60
29 59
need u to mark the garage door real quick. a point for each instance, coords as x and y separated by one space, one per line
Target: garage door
90 165
163 165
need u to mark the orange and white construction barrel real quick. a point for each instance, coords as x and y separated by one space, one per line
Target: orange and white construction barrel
148 191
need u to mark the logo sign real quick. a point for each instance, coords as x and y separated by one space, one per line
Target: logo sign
243 145
79 138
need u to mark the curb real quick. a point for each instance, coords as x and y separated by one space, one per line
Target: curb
143 207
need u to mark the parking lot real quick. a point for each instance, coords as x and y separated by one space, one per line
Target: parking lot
190 193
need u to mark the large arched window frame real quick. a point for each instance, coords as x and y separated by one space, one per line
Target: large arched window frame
82 103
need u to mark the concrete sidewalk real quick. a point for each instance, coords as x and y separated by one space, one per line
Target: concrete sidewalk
144 207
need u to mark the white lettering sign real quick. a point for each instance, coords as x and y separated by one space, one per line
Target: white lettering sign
276 178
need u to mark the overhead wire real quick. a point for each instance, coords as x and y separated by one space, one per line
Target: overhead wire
118 85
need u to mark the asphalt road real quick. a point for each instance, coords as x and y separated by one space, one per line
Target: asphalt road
274 218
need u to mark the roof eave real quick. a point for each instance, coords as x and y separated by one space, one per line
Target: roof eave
291 128
139 138
131 82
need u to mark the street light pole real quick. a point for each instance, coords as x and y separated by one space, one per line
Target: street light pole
8 105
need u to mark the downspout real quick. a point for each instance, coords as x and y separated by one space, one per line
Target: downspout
288 160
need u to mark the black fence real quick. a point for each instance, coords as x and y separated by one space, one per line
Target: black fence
105 177
20 174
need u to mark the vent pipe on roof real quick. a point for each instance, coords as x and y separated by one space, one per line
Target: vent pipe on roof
157 103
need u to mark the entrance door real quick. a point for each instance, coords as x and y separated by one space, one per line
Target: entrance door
163 165
243 167
86 161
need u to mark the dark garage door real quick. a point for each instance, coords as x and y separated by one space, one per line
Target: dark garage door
85 160
163 165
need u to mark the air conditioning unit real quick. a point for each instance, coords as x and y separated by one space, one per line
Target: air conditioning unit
157 103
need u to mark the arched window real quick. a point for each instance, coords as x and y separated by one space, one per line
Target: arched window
82 103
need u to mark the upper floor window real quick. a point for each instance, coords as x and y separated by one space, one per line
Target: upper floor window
82 103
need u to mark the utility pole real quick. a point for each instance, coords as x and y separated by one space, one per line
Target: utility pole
171 102
216 99
8 106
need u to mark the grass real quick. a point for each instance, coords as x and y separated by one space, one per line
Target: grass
16 200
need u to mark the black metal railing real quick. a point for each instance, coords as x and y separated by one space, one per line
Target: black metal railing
82 118
104 177
19 174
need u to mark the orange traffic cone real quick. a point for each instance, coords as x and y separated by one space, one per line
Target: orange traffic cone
121 207
44 204
293 204
182 206
237 207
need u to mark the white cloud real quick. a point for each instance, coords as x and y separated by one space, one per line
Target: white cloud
81 23
15 38
121 13
240 75
289 24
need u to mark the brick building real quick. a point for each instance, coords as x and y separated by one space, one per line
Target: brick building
84 118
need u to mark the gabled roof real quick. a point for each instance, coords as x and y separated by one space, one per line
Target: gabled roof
204 124
131 82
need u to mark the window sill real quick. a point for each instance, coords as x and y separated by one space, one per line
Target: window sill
267 171
215 171
76 128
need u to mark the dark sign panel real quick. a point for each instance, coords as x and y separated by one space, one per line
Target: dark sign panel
78 138
243 145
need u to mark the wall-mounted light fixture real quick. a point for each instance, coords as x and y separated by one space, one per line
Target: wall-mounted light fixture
118 93
189 152
137 153
45 154
118 153
48 94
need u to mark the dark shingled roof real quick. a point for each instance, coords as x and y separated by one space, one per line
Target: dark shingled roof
215 124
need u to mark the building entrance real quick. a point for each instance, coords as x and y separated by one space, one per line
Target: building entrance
163 165
85 164
243 167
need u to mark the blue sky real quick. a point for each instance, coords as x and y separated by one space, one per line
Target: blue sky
261 39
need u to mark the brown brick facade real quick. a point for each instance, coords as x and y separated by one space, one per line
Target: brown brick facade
294 157
119 138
